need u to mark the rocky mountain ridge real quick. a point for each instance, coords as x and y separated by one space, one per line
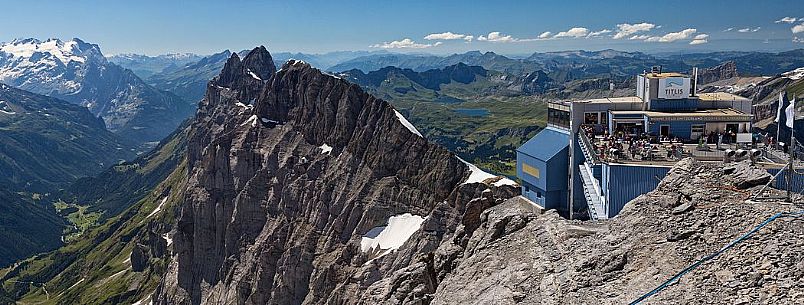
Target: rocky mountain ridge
301 163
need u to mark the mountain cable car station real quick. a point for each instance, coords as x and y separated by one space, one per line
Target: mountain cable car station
596 155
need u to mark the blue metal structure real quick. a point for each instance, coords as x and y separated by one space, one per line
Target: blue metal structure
622 183
542 168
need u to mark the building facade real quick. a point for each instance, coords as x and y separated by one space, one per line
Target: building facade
595 155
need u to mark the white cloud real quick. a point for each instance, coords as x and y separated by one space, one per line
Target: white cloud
573 32
698 41
728 30
798 29
797 40
786 20
747 30
639 37
674 36
497 37
445 36
625 29
701 36
545 35
406 43
598 33
468 38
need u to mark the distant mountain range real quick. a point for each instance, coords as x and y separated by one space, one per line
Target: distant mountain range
145 66
190 80
568 65
430 79
77 72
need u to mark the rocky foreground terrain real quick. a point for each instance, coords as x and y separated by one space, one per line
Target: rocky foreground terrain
521 256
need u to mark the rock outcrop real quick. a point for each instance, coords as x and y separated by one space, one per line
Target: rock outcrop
520 256
288 170
722 71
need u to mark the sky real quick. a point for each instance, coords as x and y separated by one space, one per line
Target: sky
431 26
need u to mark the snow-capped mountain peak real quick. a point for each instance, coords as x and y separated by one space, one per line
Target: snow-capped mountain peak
77 72
32 50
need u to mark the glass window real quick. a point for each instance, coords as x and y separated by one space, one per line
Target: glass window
591 118
558 117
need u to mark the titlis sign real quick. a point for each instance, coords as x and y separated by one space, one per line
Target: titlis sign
674 88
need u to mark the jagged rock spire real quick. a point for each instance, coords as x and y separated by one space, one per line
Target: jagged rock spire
230 72
259 62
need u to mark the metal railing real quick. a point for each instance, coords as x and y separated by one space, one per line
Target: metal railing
587 148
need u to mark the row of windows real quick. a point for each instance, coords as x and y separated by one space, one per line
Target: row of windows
596 118
558 117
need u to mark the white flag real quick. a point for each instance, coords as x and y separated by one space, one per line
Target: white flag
790 112
779 108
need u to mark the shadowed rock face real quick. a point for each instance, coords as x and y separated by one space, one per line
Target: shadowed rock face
268 218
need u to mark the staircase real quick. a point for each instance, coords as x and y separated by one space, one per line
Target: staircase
594 199
586 147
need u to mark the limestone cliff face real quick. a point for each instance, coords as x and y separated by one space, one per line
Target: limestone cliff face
271 216
722 71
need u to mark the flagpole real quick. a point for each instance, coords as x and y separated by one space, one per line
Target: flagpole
790 165
791 149
778 118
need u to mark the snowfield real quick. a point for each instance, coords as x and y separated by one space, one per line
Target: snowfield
392 236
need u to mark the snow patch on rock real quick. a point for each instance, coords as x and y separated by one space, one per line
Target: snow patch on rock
244 106
168 239
253 75
505 181
158 208
251 120
267 120
795 74
476 175
325 149
4 108
392 236
407 123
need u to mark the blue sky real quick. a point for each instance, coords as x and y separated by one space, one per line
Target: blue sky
314 26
